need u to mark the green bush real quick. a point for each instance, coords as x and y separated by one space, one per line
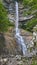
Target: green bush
4 22
30 24
31 5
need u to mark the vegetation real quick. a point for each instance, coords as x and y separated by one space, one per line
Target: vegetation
31 6
34 61
30 24
4 22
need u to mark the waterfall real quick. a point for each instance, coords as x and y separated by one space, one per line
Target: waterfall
17 35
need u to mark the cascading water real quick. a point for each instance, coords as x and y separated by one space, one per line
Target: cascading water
18 36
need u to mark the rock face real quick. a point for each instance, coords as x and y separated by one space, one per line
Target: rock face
11 46
10 43
10 6
2 43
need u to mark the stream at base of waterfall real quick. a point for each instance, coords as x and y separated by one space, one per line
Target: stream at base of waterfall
20 40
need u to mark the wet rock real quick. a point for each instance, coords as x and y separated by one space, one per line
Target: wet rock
18 57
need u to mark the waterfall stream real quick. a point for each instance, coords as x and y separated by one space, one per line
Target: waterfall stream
18 36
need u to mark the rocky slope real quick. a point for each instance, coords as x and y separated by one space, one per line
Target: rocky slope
13 55
11 46
18 60
11 43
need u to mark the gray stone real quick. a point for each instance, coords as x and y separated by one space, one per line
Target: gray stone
18 57
20 62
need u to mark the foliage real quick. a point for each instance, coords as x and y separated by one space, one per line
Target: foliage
31 6
11 24
31 24
4 22
34 61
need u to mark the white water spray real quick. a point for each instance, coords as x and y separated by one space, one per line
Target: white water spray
18 36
